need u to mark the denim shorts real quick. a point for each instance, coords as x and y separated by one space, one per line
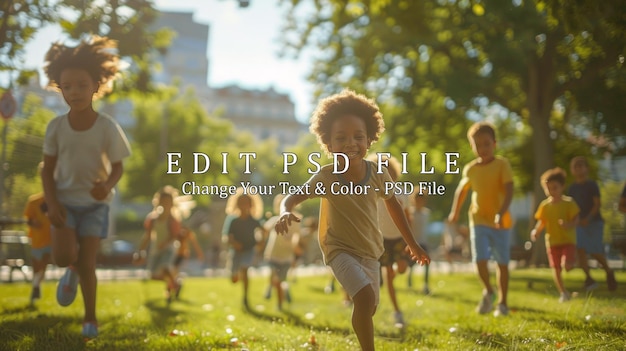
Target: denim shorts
590 238
281 269
490 242
38 253
90 220
356 273
163 259
241 260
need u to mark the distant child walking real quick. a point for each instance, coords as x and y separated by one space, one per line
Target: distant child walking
39 234
346 125
590 228
163 228
491 180
240 229
83 152
558 214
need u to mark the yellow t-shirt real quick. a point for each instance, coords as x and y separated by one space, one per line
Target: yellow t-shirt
488 182
349 223
550 212
39 235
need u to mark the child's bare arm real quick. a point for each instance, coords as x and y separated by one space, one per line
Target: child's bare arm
459 197
536 232
286 216
508 197
397 215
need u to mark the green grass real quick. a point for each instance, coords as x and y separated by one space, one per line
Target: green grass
133 315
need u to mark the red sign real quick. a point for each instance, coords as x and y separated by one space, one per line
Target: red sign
8 105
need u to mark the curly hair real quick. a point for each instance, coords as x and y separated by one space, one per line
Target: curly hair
96 55
345 103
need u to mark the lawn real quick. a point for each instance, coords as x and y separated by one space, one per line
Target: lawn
133 315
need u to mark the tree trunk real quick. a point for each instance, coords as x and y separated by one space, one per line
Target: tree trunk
540 107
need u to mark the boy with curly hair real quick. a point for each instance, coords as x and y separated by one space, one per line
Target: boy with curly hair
82 152
346 124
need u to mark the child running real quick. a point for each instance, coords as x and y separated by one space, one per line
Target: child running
346 125
39 234
240 229
162 232
491 180
558 214
280 254
590 228
83 152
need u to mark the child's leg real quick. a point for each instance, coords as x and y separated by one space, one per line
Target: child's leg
390 274
362 313
582 261
64 246
243 273
86 266
558 279
503 282
483 274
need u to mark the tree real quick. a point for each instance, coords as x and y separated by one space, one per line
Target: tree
440 64
19 22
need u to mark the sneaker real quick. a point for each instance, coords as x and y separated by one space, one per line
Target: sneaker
486 304
35 294
426 290
565 296
90 330
68 284
610 281
398 318
590 284
501 310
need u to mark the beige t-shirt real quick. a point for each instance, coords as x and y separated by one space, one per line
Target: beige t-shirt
349 223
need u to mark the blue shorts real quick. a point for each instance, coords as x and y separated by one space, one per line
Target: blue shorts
91 220
241 260
356 273
40 252
590 238
490 242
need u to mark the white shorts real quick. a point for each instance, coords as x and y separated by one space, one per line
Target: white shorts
356 273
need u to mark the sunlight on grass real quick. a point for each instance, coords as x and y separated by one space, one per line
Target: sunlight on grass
133 315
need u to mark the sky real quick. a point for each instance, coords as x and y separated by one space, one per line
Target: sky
243 48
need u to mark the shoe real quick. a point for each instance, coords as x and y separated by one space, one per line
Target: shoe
426 290
501 310
565 296
398 318
610 281
90 330
68 284
486 304
35 294
590 284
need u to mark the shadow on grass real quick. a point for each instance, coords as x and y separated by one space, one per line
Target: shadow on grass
161 313
288 317
44 332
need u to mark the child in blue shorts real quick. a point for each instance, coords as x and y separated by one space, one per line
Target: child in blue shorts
590 228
